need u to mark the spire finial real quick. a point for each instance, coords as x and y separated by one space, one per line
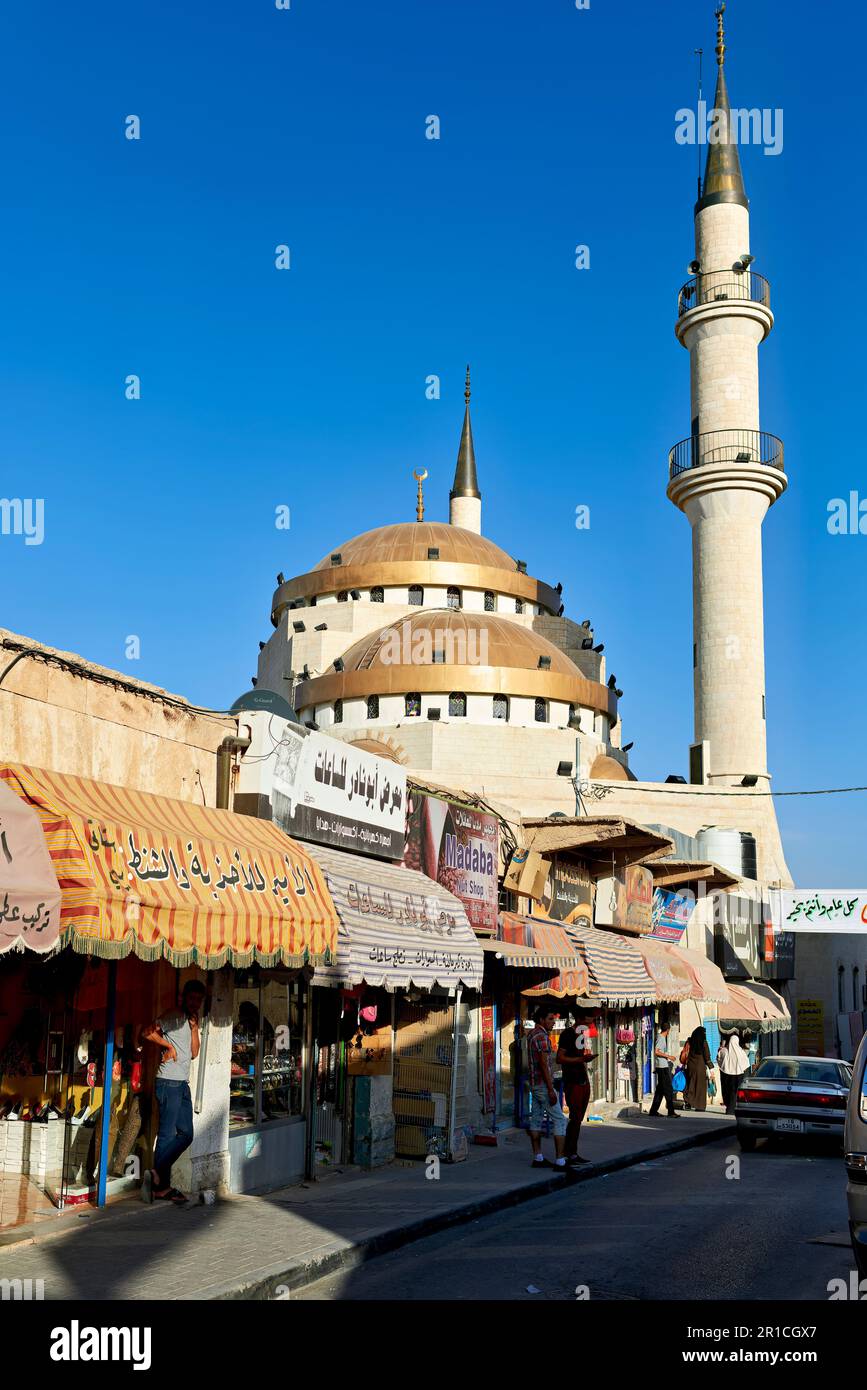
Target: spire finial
467 386
419 504
720 35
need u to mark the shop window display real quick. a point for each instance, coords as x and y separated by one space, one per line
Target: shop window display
267 1071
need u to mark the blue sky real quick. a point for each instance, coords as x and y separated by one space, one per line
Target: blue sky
411 257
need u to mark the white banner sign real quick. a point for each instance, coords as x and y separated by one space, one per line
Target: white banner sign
825 911
326 791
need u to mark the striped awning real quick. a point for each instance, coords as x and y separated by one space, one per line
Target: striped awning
154 877
397 927
707 979
618 976
548 944
671 977
752 1003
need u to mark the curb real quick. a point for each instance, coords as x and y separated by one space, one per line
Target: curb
298 1273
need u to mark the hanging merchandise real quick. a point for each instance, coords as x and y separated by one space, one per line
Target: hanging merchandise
624 1034
83 1050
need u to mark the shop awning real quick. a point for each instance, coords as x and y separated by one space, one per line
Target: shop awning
618 975
753 1004
670 975
544 943
707 979
397 928
156 877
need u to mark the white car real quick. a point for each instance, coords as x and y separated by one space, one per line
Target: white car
793 1097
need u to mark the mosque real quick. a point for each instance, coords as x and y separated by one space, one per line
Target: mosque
429 644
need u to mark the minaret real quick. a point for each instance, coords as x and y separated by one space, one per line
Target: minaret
727 473
465 500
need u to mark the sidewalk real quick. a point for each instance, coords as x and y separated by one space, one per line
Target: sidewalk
248 1247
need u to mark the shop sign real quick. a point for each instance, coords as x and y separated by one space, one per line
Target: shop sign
811 1028
670 914
569 894
624 900
842 911
326 791
456 846
489 1056
29 891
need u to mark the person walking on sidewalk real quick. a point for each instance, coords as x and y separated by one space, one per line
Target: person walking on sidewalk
177 1033
664 1058
540 1050
733 1061
698 1064
573 1057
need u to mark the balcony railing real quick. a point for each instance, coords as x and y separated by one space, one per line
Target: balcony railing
726 446
718 285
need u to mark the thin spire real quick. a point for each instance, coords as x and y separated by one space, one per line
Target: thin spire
419 501
466 483
723 180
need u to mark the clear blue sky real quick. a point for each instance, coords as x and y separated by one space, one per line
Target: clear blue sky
411 257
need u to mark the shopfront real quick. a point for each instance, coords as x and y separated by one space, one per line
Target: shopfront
391 1010
149 892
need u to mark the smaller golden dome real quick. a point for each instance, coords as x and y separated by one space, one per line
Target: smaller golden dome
607 769
463 639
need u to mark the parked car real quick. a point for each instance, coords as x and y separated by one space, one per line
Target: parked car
855 1152
793 1097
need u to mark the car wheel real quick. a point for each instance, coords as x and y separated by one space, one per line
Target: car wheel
746 1141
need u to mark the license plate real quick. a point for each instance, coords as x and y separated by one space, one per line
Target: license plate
790 1126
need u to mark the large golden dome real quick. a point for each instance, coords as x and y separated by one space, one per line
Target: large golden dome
412 540
442 649
501 641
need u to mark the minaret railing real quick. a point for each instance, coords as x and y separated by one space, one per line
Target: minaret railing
726 447
716 286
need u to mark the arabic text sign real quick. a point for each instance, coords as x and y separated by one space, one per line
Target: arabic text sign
29 891
825 911
329 792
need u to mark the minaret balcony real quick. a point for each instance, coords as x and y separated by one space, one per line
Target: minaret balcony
718 285
724 294
738 448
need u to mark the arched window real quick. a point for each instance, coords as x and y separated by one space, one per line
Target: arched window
338 711
343 596
541 711
416 595
373 706
490 601
841 1007
453 598
377 594
519 605
412 705
856 1002
313 601
501 707
457 705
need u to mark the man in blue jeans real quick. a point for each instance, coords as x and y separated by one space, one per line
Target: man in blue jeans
177 1034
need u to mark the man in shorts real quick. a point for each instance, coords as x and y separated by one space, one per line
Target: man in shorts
540 1051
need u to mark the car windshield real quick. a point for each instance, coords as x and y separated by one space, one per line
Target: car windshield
793 1069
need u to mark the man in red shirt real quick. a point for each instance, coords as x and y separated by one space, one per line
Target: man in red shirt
545 1101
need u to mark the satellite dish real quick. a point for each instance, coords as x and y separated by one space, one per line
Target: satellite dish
269 700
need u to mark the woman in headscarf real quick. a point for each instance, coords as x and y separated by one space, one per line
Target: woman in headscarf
733 1061
697 1065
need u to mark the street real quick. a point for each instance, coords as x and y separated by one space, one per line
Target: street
677 1224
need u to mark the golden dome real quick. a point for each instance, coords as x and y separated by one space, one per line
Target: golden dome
441 650
465 639
411 540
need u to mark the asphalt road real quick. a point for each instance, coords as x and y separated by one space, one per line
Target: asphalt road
775 1231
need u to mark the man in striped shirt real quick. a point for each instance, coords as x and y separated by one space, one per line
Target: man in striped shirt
545 1101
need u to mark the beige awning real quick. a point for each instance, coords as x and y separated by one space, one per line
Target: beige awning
595 839
707 978
671 976
754 1004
